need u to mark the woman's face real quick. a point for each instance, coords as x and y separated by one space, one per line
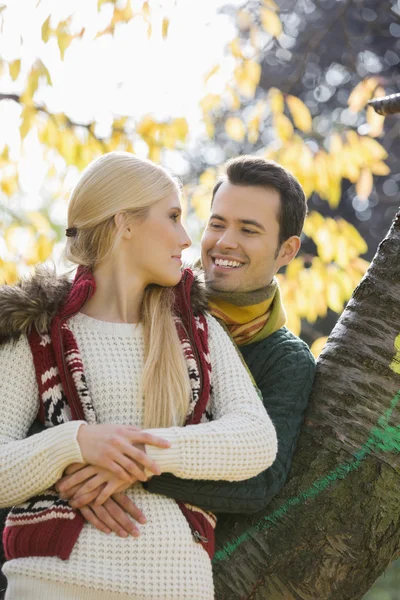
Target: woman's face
156 243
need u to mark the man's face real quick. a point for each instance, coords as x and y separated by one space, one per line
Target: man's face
239 248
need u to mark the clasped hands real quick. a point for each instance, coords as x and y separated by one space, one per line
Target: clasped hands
114 459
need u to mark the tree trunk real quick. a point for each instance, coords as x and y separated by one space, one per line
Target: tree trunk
335 526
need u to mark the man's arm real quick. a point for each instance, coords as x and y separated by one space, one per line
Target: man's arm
283 369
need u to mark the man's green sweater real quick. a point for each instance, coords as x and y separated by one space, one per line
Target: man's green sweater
283 369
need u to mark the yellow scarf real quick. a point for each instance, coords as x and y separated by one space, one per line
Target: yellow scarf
253 322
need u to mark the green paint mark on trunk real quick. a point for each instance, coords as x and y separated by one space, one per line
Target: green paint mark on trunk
383 437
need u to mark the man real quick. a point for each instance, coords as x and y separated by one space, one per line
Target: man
257 215
258 211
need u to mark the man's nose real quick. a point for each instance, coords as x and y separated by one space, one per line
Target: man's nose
227 240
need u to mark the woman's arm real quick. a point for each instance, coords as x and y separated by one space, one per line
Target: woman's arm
28 466
241 440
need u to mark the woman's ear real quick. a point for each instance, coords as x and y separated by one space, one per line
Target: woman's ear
120 224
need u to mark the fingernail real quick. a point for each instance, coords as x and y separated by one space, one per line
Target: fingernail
143 520
135 533
123 534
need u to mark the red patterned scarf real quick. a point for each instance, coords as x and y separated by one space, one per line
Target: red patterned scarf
46 525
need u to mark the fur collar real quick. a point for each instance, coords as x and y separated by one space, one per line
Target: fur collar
36 299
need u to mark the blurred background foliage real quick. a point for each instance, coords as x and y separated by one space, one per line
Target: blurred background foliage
297 76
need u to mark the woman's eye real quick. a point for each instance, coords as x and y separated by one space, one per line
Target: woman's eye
175 217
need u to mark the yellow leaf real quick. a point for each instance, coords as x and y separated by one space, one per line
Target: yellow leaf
146 9
235 128
372 150
210 129
283 126
293 323
271 22
247 76
380 168
46 31
235 48
43 71
334 296
201 205
15 68
336 144
300 113
375 122
165 26
317 346
294 268
9 185
275 97
362 93
44 247
101 2
210 101
211 72
365 184
8 272
181 128
39 221
27 118
63 40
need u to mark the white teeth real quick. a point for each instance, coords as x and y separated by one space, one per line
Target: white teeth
227 263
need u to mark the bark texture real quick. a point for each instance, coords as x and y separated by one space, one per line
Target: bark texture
336 524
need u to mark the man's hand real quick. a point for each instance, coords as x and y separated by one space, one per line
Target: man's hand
113 515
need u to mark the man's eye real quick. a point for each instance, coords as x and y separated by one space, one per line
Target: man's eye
248 230
215 226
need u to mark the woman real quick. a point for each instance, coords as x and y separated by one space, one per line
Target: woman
120 366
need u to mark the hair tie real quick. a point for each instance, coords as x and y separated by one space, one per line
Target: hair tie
71 231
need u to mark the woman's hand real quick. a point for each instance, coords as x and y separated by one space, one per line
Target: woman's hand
81 485
119 449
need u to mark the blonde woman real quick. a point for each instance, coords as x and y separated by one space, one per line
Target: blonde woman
132 378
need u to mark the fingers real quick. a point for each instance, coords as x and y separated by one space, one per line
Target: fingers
128 506
106 492
91 485
73 468
84 499
65 483
142 437
140 457
90 516
116 518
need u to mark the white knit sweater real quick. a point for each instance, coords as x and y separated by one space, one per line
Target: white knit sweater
164 562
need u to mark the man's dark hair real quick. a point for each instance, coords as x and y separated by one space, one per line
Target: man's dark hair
255 171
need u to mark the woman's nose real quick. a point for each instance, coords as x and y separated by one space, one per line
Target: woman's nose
186 242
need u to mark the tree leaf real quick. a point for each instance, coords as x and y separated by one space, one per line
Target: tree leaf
362 93
276 101
283 126
317 346
300 113
46 31
235 128
165 26
365 184
271 22
375 122
15 68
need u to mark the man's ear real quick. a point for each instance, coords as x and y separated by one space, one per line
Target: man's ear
288 250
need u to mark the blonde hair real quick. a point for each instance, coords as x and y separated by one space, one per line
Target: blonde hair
119 181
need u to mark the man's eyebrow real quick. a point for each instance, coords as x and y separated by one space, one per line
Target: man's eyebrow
252 222
241 221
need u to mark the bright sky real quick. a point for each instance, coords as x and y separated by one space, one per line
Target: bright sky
127 74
